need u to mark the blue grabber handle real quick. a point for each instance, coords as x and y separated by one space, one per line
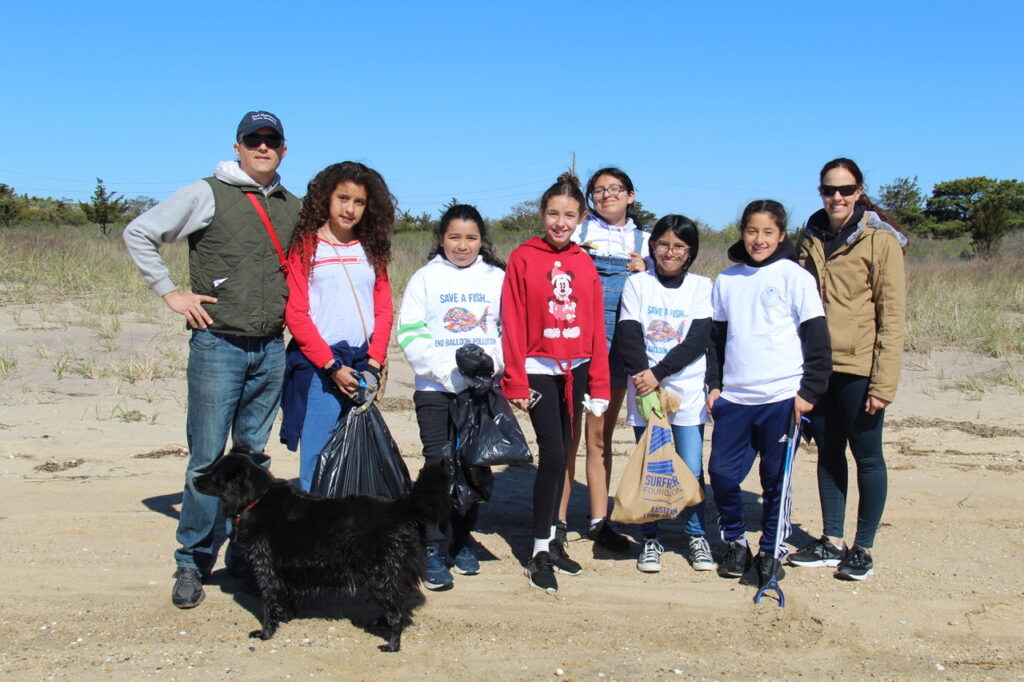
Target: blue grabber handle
792 443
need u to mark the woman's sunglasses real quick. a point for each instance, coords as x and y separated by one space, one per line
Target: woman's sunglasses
845 190
253 141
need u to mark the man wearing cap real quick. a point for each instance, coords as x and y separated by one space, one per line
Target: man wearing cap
235 309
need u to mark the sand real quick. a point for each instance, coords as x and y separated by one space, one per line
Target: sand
91 470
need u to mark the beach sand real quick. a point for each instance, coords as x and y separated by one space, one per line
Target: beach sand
91 470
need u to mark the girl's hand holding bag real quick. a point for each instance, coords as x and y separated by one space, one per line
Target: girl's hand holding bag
656 483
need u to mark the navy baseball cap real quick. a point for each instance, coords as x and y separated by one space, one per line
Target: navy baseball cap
254 120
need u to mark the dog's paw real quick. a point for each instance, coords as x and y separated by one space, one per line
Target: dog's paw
261 634
387 648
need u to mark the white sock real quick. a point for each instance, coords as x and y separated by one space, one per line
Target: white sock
540 545
551 537
740 541
594 522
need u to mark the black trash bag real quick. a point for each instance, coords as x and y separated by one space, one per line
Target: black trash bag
361 458
496 437
476 367
463 492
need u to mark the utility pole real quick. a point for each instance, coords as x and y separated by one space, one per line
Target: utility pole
572 168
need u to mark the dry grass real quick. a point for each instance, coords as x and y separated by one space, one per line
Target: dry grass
952 302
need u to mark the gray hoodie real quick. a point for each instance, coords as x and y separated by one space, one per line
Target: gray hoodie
188 210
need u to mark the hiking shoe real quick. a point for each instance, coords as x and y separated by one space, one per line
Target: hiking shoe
736 560
856 565
649 560
761 570
700 554
438 577
465 561
188 587
816 554
541 572
561 561
603 534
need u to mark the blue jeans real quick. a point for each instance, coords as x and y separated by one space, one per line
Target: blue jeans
234 387
689 445
325 407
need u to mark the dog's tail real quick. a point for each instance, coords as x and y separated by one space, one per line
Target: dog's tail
429 497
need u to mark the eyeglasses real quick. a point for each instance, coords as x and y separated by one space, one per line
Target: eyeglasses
614 190
662 247
845 190
253 141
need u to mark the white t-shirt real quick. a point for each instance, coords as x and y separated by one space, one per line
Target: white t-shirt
764 308
666 316
331 303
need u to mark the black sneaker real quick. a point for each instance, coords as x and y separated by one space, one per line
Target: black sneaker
603 534
761 569
439 578
816 554
188 587
560 559
540 571
856 565
736 561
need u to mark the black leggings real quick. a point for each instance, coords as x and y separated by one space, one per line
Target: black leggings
551 423
432 416
838 419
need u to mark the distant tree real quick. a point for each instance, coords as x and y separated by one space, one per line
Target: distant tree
451 203
980 207
67 212
904 200
405 221
524 217
105 208
641 216
137 206
12 207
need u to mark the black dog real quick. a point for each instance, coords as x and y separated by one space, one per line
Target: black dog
296 542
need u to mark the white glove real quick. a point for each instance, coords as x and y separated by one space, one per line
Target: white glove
595 406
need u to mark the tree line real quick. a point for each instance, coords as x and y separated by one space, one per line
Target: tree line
981 209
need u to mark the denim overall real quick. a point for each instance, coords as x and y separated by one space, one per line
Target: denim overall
613 273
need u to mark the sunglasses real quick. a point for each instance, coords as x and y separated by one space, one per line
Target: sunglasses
253 141
844 190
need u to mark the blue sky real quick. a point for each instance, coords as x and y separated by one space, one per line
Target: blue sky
706 108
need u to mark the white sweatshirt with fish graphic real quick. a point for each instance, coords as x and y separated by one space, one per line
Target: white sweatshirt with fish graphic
445 307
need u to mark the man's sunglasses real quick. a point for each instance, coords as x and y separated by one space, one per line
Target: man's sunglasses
845 190
253 141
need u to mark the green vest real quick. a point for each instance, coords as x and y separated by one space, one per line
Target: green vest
234 260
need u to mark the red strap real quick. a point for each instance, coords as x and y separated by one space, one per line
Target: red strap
567 373
270 228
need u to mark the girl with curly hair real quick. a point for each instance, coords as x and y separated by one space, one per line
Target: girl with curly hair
337 264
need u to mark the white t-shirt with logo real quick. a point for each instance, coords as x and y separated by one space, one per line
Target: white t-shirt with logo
666 316
764 308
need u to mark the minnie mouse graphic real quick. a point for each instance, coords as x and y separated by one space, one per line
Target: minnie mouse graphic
562 304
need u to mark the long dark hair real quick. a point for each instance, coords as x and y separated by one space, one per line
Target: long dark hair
864 199
619 175
682 227
374 228
465 212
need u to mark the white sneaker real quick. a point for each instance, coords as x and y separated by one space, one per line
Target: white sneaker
700 554
650 558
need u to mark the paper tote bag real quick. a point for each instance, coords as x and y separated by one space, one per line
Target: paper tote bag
656 483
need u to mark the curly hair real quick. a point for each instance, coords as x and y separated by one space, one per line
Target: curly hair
373 230
465 212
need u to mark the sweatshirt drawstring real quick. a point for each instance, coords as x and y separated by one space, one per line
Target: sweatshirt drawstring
567 372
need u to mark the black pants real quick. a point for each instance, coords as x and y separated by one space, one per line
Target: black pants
551 423
839 419
432 416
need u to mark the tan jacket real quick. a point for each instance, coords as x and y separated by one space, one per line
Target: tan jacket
863 289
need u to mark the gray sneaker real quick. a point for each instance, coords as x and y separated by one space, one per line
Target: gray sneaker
188 587
700 554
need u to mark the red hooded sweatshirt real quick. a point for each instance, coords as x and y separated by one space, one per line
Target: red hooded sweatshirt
552 307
